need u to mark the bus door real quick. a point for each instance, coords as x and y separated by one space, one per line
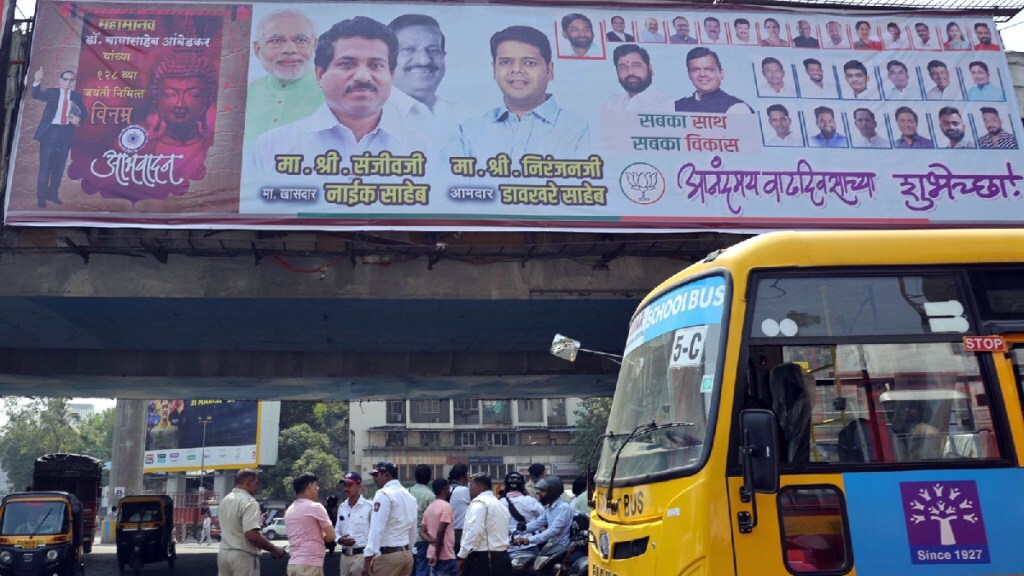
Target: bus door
889 440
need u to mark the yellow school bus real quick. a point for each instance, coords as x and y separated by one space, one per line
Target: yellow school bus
822 403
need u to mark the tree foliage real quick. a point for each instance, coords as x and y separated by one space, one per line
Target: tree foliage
43 426
301 449
591 423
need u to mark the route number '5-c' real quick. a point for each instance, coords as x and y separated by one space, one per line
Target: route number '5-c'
688 347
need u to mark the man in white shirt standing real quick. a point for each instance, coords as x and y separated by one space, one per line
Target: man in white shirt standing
207 526
392 525
484 550
778 117
635 72
459 499
353 526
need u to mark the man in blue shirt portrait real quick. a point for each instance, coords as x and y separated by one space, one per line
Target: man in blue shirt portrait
983 88
530 120
906 119
827 137
705 71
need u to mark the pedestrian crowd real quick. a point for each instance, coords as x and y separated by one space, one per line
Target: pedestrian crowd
456 526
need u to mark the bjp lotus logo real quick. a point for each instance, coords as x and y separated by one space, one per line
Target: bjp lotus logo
642 183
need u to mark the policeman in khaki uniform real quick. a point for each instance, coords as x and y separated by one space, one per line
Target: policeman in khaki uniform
392 526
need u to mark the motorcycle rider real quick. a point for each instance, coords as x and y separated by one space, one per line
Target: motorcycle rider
553 525
522 507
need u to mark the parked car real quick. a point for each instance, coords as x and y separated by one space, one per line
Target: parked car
275 529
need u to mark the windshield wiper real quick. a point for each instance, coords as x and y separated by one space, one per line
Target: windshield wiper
41 522
613 506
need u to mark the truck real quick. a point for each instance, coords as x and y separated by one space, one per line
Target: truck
76 474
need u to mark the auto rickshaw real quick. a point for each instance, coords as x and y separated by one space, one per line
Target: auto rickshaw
145 531
41 534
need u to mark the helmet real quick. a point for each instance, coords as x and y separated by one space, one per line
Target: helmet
552 487
515 481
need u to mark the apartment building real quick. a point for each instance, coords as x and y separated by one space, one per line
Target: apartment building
492 436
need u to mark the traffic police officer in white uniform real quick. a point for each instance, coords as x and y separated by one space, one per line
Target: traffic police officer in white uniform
353 526
392 526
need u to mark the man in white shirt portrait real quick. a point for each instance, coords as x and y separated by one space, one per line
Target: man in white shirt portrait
924 34
857 77
355 64
636 73
773 81
778 118
578 32
867 130
943 89
834 36
741 32
419 70
816 86
900 87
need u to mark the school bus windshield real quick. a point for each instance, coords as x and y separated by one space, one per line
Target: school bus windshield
667 379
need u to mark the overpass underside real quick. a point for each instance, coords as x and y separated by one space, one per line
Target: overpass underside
311 324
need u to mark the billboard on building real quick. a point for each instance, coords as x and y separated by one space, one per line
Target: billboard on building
505 116
189 435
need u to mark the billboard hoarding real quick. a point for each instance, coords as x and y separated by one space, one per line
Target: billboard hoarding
526 117
189 435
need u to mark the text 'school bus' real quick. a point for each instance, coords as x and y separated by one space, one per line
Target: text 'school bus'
822 403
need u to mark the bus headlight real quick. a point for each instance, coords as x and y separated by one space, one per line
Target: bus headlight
5 557
51 555
604 545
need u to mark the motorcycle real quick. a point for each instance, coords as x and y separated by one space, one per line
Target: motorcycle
555 559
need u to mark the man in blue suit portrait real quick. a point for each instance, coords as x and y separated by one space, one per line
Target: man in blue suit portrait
63 112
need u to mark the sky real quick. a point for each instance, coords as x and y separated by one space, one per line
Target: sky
101 404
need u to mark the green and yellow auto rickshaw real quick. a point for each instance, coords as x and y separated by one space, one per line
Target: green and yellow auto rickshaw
41 534
145 531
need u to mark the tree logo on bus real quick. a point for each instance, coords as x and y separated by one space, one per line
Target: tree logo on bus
944 522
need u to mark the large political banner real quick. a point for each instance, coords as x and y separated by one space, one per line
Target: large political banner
183 435
433 116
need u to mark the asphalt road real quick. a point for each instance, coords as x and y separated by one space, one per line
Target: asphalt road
193 560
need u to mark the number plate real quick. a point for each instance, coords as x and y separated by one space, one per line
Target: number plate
28 544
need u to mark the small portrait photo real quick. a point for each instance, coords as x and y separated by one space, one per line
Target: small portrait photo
807 34
866 132
954 36
617 31
837 36
774 77
859 81
896 36
712 31
984 38
743 34
911 129
866 36
924 37
826 127
985 84
816 79
900 82
774 33
652 31
682 31
781 127
955 130
943 83
576 38
997 128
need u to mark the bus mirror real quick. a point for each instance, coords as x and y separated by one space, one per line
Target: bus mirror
760 450
565 348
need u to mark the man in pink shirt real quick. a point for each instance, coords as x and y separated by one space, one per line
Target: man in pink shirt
309 528
437 527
